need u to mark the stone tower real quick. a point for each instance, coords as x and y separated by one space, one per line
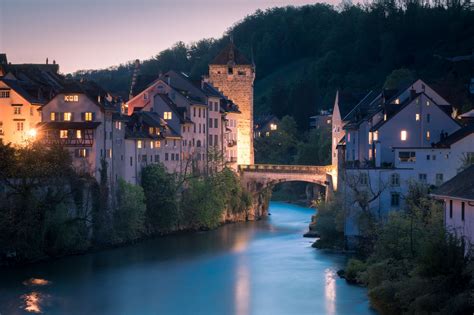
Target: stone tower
233 75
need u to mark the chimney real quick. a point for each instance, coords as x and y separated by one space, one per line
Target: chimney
47 60
54 62
412 94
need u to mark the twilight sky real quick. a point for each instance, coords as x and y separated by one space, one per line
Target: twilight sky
93 34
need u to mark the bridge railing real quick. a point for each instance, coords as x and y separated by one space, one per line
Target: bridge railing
272 168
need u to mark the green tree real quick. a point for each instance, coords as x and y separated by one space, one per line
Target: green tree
160 188
129 216
399 78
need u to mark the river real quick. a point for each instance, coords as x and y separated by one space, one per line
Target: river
263 267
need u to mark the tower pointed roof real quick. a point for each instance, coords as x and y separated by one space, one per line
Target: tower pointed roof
230 54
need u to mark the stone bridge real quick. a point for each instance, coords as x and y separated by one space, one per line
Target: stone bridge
258 177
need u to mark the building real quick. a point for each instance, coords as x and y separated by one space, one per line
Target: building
80 119
265 125
322 121
24 88
458 197
390 139
233 75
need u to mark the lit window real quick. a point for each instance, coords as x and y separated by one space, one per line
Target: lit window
376 135
16 110
67 116
71 98
273 127
384 116
118 125
397 101
427 103
109 153
267 133
52 116
417 117
403 135
152 144
157 144
139 144
168 115
428 135
63 134
4 94
78 134
151 130
81 153
88 116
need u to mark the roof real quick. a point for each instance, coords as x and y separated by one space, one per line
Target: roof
365 108
92 90
230 55
348 100
460 186
455 136
179 111
143 81
469 114
139 124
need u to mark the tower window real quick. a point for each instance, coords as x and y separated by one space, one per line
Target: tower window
230 70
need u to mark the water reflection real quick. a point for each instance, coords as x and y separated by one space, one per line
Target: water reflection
330 291
242 287
33 301
36 282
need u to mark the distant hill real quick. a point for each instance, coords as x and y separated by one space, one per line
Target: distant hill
304 54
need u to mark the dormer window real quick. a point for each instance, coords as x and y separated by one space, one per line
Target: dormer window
397 101
167 115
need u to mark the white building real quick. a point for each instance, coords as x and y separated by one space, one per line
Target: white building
390 139
458 197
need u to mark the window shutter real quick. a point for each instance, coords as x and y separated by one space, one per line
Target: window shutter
83 116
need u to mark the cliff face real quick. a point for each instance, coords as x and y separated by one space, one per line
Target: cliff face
257 210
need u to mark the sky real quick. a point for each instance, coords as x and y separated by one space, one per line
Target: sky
95 34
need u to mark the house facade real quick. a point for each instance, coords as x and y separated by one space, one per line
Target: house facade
391 139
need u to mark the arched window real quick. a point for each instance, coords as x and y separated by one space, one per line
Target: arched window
198 143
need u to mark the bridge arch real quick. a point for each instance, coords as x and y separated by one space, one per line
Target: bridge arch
259 179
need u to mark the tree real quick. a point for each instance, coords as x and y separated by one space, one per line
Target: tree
129 217
399 78
160 188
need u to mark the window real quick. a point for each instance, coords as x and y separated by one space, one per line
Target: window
273 127
395 180
210 122
230 70
216 141
403 135
71 98
4 94
52 116
199 112
397 101
395 200
450 209
16 110
88 116
131 161
376 135
67 116
157 158
166 156
78 134
463 208
152 144
198 143
428 117
109 153
439 179
417 117
427 103
422 178
241 72
428 157
194 112
63 134
19 126
31 111
216 123
348 137
428 136
157 144
210 140
82 153
118 125
407 157
434 157
139 144
364 179
167 115
174 143
216 108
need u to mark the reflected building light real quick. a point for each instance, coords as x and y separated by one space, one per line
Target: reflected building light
330 291
33 302
36 282
242 287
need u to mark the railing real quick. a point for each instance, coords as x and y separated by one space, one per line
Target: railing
285 168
